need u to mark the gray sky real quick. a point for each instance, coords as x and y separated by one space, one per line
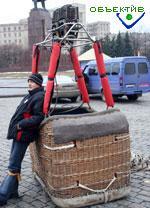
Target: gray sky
12 11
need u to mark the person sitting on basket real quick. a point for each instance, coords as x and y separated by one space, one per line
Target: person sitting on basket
23 129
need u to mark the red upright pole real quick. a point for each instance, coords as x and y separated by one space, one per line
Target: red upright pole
35 59
54 59
78 72
102 71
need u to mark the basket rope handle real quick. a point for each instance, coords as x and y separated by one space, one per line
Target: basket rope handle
97 191
60 148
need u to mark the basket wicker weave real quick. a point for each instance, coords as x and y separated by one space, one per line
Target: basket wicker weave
82 171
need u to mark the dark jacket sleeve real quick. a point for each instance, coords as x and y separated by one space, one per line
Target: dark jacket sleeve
36 116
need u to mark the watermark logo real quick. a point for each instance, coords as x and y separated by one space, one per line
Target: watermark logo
130 11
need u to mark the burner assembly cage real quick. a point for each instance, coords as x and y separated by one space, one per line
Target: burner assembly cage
64 34
82 157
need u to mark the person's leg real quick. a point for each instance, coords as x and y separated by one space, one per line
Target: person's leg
9 186
43 4
35 4
12 147
17 154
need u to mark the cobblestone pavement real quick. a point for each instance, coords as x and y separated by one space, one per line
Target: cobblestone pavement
32 195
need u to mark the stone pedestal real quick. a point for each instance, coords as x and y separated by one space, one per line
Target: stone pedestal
39 22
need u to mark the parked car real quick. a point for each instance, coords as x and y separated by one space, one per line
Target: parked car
64 87
129 76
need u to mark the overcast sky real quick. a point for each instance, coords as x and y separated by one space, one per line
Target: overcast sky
11 11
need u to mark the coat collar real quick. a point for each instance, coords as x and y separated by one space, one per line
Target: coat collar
32 92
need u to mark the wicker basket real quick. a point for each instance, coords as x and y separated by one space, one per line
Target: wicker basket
83 171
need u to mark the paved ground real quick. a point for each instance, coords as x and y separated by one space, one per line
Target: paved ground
138 115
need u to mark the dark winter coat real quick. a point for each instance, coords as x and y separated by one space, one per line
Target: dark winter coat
29 116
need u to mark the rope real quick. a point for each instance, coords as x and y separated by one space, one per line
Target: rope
98 191
60 148
56 101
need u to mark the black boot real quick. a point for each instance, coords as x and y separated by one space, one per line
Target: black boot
9 188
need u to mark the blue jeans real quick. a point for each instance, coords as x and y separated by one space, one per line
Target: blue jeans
17 154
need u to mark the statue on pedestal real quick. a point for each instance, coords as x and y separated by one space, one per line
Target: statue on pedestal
36 2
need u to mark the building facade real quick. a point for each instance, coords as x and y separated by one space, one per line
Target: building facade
98 29
82 12
17 33
14 34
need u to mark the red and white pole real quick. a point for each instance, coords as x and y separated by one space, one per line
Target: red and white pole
80 77
53 65
102 72
35 59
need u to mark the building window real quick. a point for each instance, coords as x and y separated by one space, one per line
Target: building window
8 28
5 41
15 34
20 34
4 35
15 28
115 69
20 41
4 29
19 28
130 68
142 68
15 41
9 41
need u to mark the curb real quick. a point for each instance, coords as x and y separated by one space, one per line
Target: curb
11 96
